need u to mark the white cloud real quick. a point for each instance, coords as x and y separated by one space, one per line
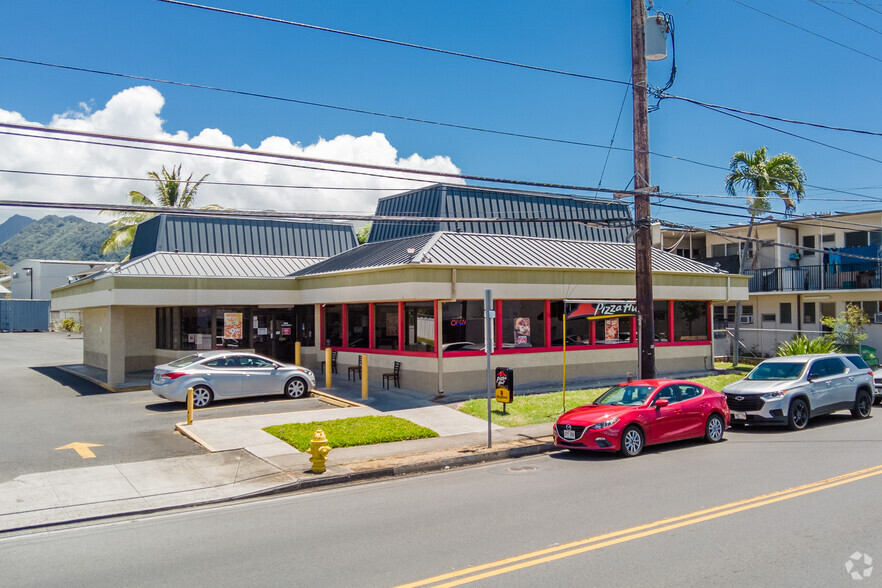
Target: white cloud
136 112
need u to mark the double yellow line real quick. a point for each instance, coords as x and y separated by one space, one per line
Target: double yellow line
504 566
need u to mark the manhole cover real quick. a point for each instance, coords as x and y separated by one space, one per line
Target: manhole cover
522 469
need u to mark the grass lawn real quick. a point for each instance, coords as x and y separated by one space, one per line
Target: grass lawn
351 432
535 409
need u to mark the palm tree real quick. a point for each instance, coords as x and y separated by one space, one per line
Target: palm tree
761 177
172 191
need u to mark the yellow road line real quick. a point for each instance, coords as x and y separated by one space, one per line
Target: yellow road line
585 545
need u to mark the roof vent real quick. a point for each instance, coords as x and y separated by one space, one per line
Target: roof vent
411 250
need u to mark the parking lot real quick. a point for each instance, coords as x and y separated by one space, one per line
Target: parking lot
45 408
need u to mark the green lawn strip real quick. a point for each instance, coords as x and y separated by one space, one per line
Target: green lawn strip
536 409
351 432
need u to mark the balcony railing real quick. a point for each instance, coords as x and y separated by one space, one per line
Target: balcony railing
815 277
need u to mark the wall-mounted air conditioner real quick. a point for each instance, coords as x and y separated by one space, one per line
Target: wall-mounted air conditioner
748 318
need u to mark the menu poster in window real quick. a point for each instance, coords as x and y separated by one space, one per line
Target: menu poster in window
522 331
391 324
611 329
232 325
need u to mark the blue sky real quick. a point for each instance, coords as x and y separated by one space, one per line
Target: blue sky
726 54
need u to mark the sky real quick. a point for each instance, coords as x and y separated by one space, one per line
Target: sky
727 53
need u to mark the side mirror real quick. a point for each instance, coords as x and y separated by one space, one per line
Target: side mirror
661 402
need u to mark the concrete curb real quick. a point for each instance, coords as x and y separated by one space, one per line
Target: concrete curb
319 481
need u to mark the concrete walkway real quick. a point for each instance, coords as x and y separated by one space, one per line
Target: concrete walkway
245 461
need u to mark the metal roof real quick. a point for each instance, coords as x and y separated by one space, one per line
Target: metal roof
482 250
209 265
449 201
241 236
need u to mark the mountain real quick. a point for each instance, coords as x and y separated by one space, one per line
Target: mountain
52 237
13 225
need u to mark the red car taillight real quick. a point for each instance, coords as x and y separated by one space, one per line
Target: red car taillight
173 375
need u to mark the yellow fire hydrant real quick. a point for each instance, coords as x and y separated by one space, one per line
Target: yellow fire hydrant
319 448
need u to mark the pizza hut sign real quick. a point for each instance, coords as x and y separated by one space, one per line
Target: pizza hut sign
595 309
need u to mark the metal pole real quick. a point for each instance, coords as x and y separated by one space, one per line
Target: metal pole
643 238
364 377
488 342
190 406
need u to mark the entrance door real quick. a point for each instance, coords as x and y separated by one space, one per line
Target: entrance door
274 333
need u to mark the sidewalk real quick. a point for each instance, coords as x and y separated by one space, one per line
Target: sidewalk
246 462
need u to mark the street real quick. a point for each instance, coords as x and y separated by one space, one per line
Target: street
563 518
45 408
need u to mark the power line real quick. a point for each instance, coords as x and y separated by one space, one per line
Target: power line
392 42
803 29
310 103
219 153
609 223
846 17
771 117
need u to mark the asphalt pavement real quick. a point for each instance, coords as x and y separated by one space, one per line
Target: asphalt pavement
244 461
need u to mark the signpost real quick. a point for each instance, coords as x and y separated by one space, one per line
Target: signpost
489 315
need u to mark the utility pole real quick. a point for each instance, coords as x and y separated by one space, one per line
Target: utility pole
643 237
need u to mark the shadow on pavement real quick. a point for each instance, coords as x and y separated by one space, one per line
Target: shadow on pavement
75 383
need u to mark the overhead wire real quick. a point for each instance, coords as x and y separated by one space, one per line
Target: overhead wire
392 41
846 17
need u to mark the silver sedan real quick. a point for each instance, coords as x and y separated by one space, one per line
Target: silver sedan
216 375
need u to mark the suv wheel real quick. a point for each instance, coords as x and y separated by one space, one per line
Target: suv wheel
798 415
862 405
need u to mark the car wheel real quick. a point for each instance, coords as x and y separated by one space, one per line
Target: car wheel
295 388
202 396
862 405
713 431
798 415
632 441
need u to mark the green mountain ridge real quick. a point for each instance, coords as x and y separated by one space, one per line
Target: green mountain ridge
68 238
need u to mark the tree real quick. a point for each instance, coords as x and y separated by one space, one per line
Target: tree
760 177
172 191
363 233
848 327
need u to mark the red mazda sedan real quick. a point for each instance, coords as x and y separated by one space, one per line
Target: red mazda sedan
632 415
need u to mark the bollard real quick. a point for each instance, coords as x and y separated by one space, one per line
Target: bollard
630 376
190 405
328 367
364 377
297 353
318 449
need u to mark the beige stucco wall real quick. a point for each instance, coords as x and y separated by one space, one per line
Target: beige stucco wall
95 340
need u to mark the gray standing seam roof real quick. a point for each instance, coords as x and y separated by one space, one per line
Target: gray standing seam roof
457 201
209 265
510 251
241 236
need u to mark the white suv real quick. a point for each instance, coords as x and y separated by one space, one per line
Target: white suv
792 389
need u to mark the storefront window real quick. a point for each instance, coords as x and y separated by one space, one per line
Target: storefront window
196 331
612 330
462 325
419 334
165 328
523 323
385 326
333 325
357 318
690 321
578 328
660 313
233 328
304 325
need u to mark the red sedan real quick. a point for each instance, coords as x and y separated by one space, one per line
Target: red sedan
632 415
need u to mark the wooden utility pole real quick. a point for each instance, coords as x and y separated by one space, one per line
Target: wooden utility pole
643 237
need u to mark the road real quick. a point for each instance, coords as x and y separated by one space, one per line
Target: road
44 408
753 510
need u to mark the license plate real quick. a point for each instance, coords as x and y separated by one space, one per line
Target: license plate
739 416
569 434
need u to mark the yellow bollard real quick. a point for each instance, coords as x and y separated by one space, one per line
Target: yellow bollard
328 367
319 448
297 353
364 377
190 406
